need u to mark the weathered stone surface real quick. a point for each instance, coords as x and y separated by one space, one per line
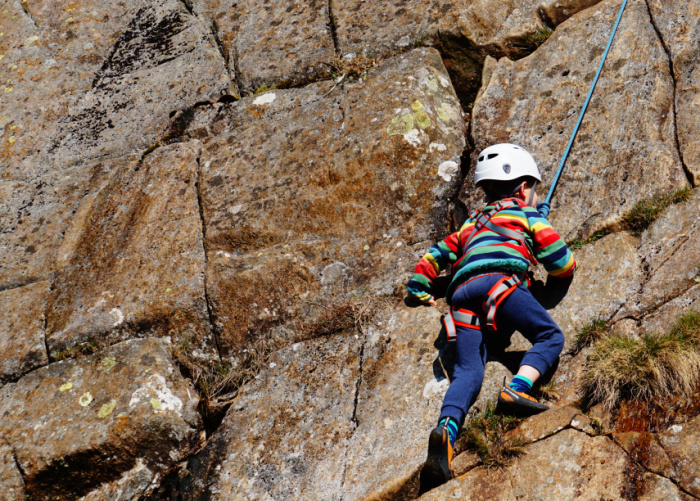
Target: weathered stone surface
96 417
558 11
116 71
625 150
682 444
286 434
545 424
390 26
480 484
131 485
645 449
656 488
680 30
35 213
308 195
271 43
398 404
660 320
601 285
11 483
22 346
671 253
152 283
570 465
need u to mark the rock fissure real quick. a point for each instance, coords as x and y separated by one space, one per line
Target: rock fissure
188 6
686 170
638 464
222 50
200 206
29 14
236 70
332 28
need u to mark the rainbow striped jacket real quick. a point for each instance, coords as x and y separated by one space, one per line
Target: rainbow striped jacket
491 252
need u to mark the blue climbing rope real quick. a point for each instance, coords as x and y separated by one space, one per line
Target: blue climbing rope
585 105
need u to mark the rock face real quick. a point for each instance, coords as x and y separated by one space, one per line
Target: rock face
680 31
224 201
97 417
295 212
272 43
22 343
280 435
625 150
153 283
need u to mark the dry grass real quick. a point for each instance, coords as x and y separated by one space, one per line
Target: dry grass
649 367
487 434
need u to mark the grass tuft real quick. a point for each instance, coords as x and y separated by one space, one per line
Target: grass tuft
646 212
590 333
532 41
578 244
486 433
651 367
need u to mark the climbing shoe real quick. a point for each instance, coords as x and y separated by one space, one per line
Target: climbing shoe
436 470
518 403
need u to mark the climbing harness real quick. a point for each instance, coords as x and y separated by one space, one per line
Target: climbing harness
585 105
495 296
500 290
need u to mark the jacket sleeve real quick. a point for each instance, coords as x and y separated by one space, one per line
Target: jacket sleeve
549 248
438 258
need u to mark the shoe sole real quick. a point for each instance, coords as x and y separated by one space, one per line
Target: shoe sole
520 406
435 471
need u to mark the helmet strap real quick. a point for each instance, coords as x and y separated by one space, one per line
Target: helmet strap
532 193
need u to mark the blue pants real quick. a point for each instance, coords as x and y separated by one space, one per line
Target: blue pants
521 312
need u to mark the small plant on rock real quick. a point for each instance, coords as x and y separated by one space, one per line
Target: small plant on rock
646 212
649 367
590 333
487 434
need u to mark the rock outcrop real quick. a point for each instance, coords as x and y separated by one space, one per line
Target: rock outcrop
209 211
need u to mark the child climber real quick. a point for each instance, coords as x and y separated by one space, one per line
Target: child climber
488 293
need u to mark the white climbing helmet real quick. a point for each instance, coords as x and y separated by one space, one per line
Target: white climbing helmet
504 162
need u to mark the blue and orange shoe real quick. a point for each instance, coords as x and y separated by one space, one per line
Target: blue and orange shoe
518 403
436 470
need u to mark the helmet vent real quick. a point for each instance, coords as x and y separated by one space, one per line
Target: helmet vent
492 155
481 158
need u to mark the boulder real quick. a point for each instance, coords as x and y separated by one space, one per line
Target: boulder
11 482
22 346
681 443
680 31
625 150
310 194
272 43
670 251
97 417
286 434
152 283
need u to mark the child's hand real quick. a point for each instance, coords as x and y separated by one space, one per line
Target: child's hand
432 302
543 208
